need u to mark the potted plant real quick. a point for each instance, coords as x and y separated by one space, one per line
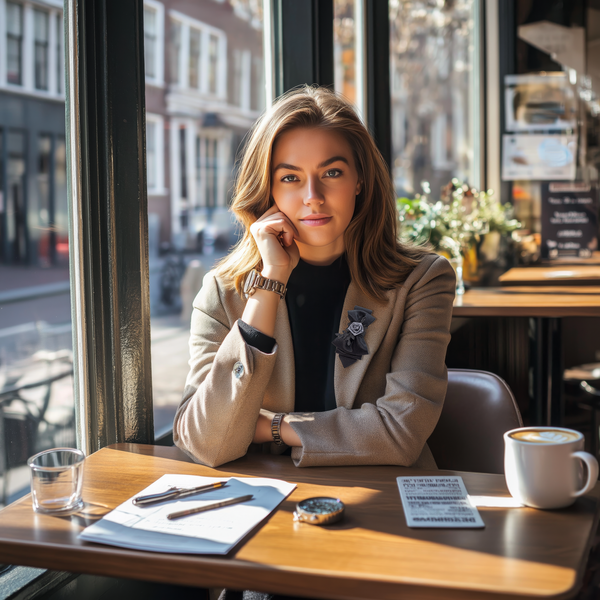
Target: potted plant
455 223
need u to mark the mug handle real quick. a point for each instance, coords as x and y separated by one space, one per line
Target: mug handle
592 469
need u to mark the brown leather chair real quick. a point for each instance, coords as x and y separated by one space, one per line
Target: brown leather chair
478 409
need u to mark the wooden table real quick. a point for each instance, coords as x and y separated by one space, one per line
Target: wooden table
552 275
521 553
545 306
529 301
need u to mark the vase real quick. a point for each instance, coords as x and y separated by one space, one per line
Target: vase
457 265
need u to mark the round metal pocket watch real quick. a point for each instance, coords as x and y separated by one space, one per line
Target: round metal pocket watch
319 511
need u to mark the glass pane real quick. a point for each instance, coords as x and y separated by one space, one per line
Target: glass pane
14 42
193 167
150 42
59 55
195 37
151 153
432 57
40 20
174 51
41 49
213 66
36 381
344 48
14 19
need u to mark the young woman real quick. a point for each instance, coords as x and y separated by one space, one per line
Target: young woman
337 347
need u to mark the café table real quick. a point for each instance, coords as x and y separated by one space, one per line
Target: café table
521 552
553 275
545 306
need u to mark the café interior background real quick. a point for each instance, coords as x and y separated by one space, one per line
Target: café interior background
205 87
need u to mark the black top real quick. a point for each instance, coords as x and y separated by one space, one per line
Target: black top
315 299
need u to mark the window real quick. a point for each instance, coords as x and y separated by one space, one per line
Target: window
435 95
194 62
154 154
348 44
154 18
14 43
174 51
258 83
40 20
59 54
213 64
197 56
150 42
242 65
45 209
193 133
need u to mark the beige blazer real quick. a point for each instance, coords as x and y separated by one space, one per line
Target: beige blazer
388 403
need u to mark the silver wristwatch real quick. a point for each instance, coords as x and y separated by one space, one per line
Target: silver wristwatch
255 281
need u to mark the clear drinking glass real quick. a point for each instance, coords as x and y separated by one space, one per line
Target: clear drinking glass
56 480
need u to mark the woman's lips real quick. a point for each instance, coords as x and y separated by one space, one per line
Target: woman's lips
316 221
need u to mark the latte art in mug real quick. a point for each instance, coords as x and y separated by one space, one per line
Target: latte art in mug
545 436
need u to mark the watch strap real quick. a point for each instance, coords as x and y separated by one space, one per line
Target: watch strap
276 428
255 281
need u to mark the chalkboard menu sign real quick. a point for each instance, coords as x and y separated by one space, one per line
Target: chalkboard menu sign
569 219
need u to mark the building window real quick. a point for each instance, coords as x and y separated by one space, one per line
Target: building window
41 21
150 50
59 54
183 162
211 172
17 235
14 43
197 55
155 154
174 51
258 84
154 19
151 158
213 64
194 62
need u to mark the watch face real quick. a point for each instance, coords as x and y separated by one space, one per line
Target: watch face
321 506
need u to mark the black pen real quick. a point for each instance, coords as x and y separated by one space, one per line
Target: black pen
199 509
176 493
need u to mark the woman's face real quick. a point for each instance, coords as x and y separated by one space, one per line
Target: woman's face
315 183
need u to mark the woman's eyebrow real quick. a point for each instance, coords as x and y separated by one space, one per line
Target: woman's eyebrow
325 163
331 160
286 167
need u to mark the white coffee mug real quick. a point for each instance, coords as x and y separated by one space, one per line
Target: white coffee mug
543 466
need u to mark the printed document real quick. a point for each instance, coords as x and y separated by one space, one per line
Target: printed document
212 532
437 502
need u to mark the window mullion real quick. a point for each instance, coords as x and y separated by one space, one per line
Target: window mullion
108 228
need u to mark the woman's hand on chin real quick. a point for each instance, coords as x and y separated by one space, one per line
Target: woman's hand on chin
275 235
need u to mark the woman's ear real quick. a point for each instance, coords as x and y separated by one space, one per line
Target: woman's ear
358 187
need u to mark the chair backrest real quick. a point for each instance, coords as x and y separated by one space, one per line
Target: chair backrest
479 408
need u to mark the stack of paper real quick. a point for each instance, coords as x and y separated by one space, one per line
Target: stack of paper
211 532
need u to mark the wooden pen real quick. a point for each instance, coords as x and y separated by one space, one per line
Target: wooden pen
199 509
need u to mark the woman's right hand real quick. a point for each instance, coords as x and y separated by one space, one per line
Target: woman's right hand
274 235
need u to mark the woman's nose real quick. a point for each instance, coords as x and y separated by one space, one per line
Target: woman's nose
313 192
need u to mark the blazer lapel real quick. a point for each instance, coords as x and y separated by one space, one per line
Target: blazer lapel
347 380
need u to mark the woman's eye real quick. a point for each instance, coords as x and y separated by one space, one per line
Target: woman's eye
333 173
289 178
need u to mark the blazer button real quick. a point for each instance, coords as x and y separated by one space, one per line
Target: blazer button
238 369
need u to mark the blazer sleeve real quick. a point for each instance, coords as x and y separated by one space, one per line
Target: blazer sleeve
216 419
395 429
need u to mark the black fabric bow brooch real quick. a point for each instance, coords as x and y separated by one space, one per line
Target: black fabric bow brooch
350 344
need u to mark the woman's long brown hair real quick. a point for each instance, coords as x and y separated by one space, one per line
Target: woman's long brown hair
377 260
